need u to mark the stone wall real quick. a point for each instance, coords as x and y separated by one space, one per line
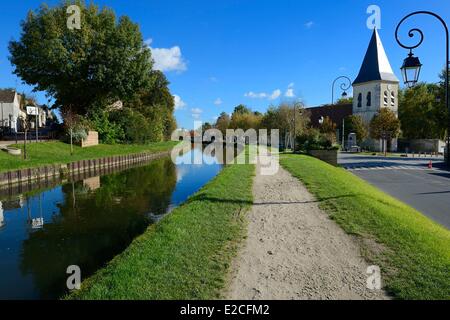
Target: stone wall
78 167
422 145
91 140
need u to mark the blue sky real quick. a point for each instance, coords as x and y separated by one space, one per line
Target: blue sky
218 54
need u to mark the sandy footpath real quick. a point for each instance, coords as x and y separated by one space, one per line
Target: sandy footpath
294 251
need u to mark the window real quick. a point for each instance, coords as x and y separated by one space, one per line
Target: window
369 99
393 99
386 99
360 100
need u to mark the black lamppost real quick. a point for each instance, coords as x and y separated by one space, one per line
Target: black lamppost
345 85
412 66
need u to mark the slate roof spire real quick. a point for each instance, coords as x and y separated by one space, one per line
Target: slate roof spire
376 65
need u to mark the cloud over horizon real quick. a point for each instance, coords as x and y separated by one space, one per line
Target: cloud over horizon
167 59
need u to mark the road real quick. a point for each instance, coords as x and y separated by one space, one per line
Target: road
407 179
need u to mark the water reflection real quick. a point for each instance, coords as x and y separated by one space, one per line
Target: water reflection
85 223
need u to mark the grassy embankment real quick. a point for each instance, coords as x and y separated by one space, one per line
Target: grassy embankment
186 255
57 153
413 251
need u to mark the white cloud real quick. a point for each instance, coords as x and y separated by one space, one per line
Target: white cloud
309 24
167 59
196 113
196 110
263 95
275 95
290 91
179 103
213 79
254 95
218 102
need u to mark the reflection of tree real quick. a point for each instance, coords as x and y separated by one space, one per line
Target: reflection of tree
99 225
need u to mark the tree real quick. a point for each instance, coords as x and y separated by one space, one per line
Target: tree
71 120
104 61
157 95
355 124
345 101
291 119
206 126
328 128
421 114
223 122
385 125
245 121
241 109
443 112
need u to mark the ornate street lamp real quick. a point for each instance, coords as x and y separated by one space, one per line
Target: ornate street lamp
412 66
411 70
345 85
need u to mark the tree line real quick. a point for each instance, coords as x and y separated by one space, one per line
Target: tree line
99 77
422 115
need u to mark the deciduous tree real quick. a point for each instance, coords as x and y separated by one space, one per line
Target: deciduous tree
385 125
106 60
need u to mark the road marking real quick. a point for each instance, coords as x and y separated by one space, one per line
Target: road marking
386 167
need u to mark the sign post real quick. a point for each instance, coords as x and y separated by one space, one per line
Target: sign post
34 111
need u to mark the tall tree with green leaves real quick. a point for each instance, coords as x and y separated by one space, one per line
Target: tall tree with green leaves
355 124
242 109
223 123
421 113
103 61
385 125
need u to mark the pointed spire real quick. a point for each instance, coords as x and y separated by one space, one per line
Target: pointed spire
376 65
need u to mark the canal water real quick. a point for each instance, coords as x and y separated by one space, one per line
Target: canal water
87 222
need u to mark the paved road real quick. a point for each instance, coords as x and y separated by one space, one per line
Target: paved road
407 179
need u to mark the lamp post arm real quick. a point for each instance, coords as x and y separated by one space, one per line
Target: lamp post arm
344 86
411 34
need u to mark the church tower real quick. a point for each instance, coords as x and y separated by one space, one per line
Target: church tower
375 87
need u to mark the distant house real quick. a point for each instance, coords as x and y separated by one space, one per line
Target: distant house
10 110
13 109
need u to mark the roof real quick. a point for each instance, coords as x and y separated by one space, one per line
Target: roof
376 65
336 113
7 96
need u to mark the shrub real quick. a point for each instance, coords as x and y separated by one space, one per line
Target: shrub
313 139
109 132
137 128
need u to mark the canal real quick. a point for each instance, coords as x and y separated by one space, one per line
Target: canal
87 222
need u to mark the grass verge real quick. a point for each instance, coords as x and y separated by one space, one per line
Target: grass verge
412 250
57 153
185 256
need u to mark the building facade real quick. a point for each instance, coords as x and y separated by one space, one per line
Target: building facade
375 87
10 111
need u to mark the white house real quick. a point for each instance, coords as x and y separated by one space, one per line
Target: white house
10 110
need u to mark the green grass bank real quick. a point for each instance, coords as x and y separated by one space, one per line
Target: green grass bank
186 255
412 250
40 154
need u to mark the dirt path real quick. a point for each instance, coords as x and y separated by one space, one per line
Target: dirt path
294 251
